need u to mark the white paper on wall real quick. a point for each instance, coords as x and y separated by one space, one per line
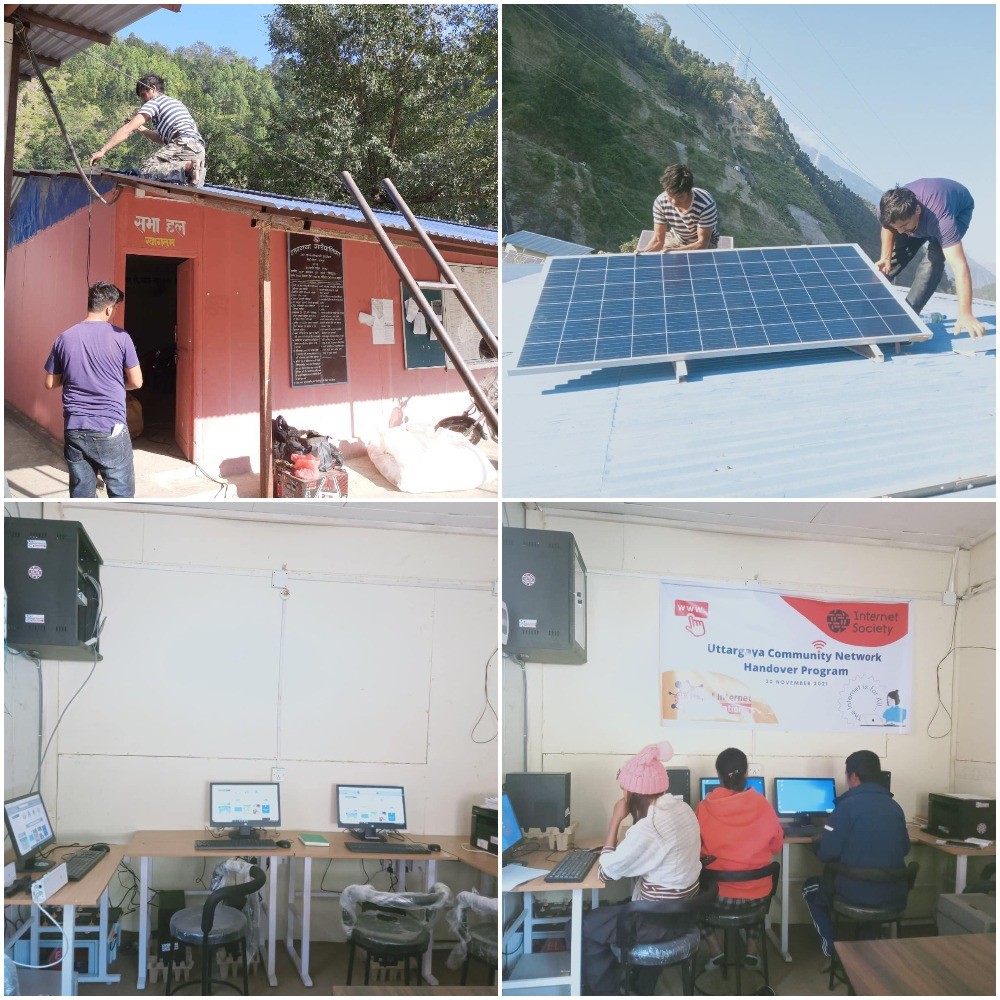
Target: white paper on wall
380 319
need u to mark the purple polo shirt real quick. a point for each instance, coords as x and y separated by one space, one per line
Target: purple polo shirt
92 358
946 209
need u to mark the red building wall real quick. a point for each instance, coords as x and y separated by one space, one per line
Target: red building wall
47 292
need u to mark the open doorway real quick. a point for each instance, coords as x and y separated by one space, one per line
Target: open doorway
151 318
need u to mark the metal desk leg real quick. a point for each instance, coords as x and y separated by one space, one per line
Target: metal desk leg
782 945
961 871
36 937
145 865
430 877
69 955
103 976
529 921
576 945
306 917
272 919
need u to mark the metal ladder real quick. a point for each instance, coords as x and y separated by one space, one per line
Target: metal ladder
415 288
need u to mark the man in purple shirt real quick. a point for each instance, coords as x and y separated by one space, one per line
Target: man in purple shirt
94 363
935 211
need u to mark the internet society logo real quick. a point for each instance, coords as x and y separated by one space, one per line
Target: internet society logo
838 621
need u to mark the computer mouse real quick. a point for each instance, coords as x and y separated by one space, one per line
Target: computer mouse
434 847
283 843
100 847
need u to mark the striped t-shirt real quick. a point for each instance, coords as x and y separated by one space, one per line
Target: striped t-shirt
703 214
170 118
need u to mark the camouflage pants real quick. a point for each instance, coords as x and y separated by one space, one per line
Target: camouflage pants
167 163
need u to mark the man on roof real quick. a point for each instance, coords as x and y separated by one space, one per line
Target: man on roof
168 123
685 217
935 211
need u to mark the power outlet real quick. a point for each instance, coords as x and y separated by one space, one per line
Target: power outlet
277 774
49 884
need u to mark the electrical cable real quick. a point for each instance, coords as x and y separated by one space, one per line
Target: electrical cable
59 958
38 775
488 705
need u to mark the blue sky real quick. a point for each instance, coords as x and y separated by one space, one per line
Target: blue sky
902 91
238 26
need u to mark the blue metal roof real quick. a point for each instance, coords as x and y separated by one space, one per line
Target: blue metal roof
813 424
548 245
351 213
36 207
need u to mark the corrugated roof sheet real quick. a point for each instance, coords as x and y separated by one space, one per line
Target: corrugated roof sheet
106 18
548 245
262 200
812 424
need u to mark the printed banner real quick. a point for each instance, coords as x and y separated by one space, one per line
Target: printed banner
762 659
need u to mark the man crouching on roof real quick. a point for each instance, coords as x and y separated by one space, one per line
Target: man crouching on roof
935 211
685 217
181 160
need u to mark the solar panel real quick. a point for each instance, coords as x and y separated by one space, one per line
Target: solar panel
628 309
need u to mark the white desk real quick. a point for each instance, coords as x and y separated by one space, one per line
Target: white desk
90 891
542 970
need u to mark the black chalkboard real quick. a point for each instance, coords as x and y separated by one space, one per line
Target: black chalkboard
317 327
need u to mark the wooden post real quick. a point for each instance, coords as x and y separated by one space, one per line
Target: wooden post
264 279
8 158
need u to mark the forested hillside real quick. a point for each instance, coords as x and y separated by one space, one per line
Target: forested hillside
596 103
405 91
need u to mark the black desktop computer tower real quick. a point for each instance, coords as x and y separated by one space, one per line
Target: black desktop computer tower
539 798
544 596
52 606
680 782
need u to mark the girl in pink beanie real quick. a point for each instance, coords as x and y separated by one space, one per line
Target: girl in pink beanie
661 851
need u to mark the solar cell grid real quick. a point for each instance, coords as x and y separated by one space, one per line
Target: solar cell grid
631 308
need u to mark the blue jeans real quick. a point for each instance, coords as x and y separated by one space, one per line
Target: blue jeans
89 452
929 271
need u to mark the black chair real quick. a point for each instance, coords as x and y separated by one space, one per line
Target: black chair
644 961
861 913
221 921
390 926
730 922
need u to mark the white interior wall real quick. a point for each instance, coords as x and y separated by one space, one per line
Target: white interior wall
370 669
589 719
974 743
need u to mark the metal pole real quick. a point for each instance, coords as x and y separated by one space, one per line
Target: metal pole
482 400
264 282
442 265
8 156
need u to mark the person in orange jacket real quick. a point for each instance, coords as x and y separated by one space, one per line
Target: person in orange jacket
741 829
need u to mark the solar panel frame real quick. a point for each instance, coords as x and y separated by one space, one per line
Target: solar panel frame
614 313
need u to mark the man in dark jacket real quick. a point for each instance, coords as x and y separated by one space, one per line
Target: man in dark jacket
866 830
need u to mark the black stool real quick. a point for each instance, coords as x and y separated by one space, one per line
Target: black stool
217 923
390 926
644 961
482 947
730 922
473 919
861 913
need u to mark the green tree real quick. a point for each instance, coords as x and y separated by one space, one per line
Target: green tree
402 91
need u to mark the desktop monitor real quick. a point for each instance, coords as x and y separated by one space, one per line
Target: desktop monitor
885 780
244 805
754 781
803 796
30 831
367 809
680 782
510 832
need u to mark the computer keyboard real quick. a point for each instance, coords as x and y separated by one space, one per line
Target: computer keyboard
573 867
77 865
241 846
381 848
801 830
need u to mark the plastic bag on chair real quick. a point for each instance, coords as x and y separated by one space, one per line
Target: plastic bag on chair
353 896
485 906
236 872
